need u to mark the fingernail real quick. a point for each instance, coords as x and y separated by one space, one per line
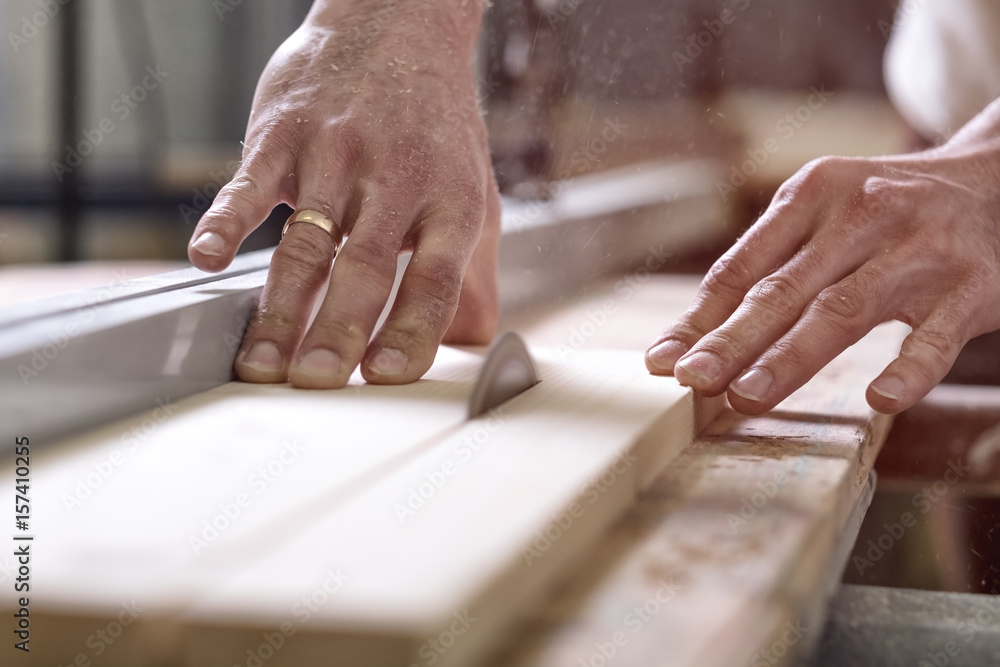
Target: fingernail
389 362
752 385
703 365
210 244
319 363
664 356
889 387
263 356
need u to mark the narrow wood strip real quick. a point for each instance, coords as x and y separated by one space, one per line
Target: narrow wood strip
565 461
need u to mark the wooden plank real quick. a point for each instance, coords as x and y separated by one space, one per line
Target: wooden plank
126 500
725 592
624 313
563 459
725 560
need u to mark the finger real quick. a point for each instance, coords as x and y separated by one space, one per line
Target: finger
768 244
428 295
839 317
769 310
326 173
299 269
240 207
773 240
924 359
475 320
360 284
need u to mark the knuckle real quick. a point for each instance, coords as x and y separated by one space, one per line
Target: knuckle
730 344
841 305
931 348
878 189
790 353
688 328
305 257
463 210
814 177
336 333
731 276
468 198
242 192
685 331
443 270
272 317
881 199
778 292
245 185
411 332
980 274
436 286
371 253
273 132
406 160
827 167
343 143
979 284
954 323
958 322
346 134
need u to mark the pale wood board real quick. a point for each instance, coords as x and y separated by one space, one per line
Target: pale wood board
735 583
332 508
737 588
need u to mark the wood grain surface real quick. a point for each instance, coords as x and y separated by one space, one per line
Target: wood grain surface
376 524
727 559
264 526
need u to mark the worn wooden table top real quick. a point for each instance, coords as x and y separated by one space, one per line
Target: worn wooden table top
725 559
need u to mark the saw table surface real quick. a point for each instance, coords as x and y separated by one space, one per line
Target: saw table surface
585 523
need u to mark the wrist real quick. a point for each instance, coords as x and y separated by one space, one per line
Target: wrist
446 26
981 134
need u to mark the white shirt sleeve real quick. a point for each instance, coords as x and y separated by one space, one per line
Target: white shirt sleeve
942 63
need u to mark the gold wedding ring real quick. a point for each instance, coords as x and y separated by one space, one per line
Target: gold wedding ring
324 222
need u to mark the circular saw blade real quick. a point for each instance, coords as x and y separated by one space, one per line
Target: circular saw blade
507 371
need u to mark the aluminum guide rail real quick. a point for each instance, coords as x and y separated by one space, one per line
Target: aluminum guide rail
78 360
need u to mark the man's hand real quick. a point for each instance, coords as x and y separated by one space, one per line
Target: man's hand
845 245
367 114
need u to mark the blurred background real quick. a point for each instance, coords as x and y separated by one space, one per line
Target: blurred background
120 120
141 154
99 159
